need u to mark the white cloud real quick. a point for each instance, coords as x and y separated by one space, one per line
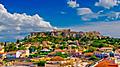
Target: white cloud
83 11
109 29
107 3
2 8
72 3
118 2
18 23
87 14
113 15
89 17
62 12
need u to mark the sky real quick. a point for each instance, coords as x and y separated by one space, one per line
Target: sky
20 17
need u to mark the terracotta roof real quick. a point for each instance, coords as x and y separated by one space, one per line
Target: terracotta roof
88 54
106 48
23 63
80 51
106 63
51 53
1 63
0 48
2 53
57 58
11 52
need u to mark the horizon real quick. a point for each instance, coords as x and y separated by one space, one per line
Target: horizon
19 18
9 41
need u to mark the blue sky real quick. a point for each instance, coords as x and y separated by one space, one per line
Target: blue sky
49 10
24 16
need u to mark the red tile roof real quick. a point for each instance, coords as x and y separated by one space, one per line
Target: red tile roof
106 63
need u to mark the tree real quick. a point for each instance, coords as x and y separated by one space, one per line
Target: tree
41 63
39 48
32 49
62 55
18 41
63 46
10 47
99 44
92 48
21 47
94 58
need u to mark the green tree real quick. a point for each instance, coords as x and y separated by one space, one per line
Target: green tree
10 47
32 49
65 55
41 63
21 47
91 49
94 58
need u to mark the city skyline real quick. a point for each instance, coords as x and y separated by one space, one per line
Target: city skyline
20 17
